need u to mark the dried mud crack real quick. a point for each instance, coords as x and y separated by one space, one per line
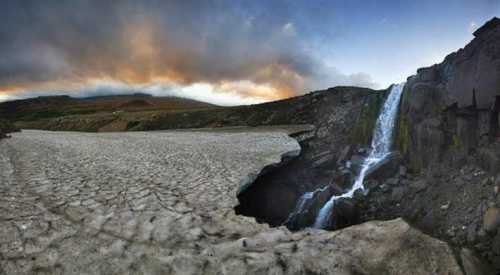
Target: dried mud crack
162 203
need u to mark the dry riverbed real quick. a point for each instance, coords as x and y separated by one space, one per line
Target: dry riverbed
162 203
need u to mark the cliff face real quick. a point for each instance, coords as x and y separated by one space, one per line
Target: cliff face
450 110
448 133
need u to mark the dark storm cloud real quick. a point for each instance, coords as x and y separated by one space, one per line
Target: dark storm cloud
139 41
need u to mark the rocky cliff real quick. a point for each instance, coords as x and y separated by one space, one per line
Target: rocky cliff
448 134
450 110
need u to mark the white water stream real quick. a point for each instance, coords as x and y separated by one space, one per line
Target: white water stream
380 149
302 203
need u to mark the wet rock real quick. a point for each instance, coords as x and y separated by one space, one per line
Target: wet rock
343 177
306 211
371 184
363 150
344 213
491 219
343 155
386 168
357 160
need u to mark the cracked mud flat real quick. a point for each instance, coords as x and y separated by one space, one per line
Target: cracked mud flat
162 203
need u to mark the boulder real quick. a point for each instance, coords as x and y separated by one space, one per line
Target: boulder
344 213
388 247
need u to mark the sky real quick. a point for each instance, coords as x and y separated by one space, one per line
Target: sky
227 52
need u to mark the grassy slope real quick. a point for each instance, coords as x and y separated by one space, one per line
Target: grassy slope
39 113
58 106
124 113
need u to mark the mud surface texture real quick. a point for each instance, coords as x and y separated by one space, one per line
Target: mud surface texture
162 203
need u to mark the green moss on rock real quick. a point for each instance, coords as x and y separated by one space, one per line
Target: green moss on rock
363 130
455 142
402 135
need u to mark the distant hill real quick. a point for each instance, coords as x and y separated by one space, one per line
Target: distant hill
143 113
59 106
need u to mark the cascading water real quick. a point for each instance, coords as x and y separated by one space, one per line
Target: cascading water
302 203
380 149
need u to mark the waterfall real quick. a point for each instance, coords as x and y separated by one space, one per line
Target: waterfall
380 149
302 203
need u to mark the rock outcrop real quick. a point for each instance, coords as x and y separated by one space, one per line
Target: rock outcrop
448 135
391 247
451 109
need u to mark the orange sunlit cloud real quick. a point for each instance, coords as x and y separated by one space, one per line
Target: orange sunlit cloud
146 61
141 52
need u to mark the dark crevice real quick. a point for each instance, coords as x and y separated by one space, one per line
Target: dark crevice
328 159
271 196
